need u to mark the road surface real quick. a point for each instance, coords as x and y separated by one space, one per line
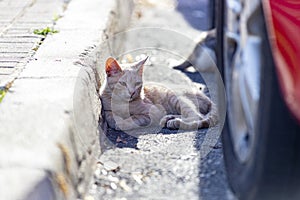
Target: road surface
168 164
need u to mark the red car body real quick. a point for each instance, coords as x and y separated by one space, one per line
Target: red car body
283 21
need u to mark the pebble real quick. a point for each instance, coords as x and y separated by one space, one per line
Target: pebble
113 186
89 197
124 186
111 166
113 179
213 172
104 172
138 178
202 175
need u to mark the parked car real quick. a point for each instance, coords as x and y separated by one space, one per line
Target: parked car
258 53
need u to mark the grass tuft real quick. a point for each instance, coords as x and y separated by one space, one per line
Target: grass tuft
2 94
45 31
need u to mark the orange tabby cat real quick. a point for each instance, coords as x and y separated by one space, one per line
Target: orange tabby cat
130 104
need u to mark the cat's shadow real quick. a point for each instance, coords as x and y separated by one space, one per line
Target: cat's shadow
119 139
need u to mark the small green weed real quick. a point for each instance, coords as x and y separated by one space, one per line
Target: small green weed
45 31
2 94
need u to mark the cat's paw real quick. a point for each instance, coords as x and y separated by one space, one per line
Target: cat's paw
165 119
173 123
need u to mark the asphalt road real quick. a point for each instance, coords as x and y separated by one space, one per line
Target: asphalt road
168 164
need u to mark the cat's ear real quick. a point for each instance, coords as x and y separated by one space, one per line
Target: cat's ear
112 67
140 66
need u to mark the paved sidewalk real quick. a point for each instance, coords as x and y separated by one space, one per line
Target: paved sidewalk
18 43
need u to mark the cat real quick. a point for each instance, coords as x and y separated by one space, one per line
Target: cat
129 104
203 57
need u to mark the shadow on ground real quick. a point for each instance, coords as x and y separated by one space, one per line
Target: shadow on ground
120 139
196 12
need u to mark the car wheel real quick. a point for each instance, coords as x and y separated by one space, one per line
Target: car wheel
261 139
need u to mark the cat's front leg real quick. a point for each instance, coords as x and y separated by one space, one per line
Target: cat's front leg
130 123
109 117
150 118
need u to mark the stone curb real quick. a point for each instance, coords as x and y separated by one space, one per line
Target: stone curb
49 120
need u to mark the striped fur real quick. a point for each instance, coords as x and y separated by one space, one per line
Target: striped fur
129 104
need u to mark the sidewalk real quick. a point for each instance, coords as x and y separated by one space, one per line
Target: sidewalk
49 115
18 43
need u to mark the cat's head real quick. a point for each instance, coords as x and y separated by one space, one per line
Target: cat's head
125 81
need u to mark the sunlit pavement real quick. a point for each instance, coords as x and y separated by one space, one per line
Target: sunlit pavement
170 164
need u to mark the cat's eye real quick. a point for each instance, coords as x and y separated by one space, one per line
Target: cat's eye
122 83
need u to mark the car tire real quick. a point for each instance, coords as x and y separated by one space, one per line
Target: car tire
272 170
